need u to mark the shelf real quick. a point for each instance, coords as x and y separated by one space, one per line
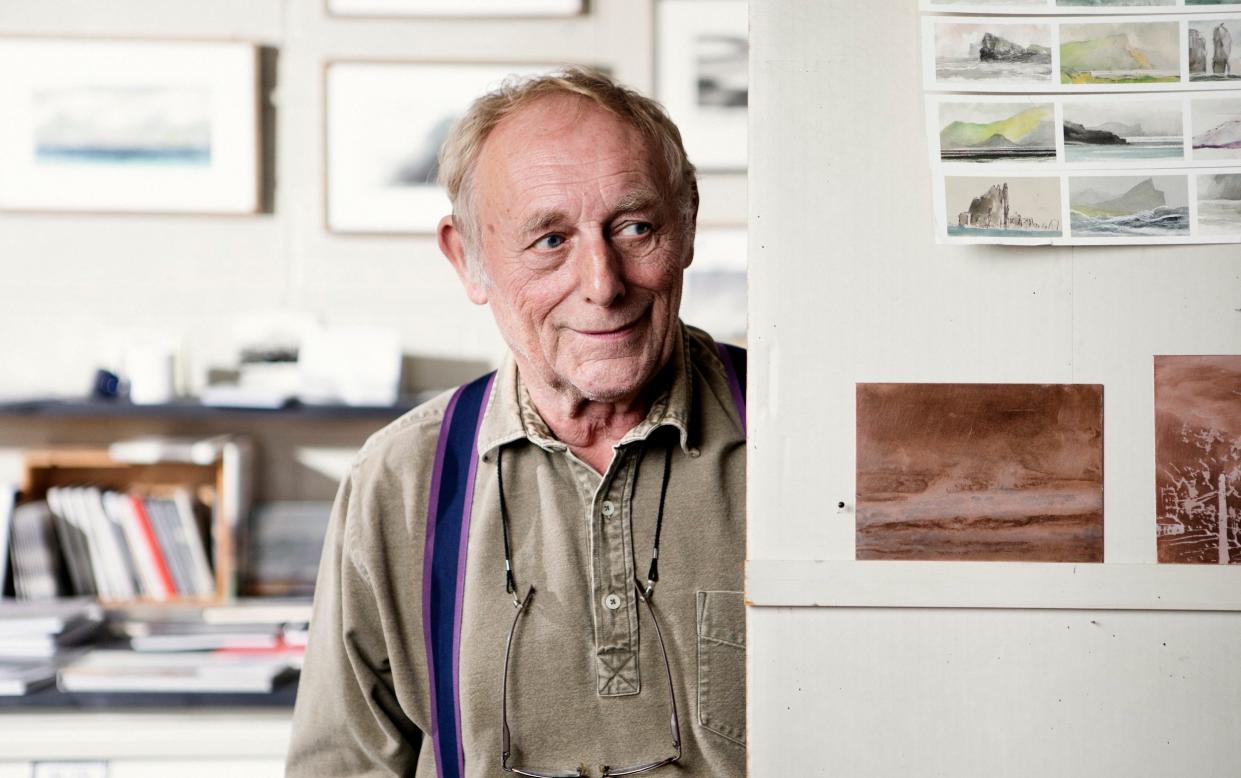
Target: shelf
192 409
1024 585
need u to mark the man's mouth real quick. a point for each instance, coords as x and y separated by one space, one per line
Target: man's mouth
611 333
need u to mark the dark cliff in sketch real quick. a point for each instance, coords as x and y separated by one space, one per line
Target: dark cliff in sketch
993 48
1077 133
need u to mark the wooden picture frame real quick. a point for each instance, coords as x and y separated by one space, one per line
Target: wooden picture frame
451 9
384 122
701 62
137 126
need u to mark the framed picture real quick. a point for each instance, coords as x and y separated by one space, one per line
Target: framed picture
453 8
385 124
701 77
128 126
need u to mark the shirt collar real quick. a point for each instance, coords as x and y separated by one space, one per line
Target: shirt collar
510 414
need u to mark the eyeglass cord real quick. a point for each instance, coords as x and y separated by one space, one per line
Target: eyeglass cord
652 576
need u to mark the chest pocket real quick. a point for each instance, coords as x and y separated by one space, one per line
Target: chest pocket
721 664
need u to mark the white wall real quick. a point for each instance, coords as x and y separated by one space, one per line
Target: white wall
67 280
847 285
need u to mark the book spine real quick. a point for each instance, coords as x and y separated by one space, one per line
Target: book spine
156 510
74 544
117 508
8 498
76 512
115 551
204 583
164 585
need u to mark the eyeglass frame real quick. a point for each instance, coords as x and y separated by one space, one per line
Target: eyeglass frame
608 772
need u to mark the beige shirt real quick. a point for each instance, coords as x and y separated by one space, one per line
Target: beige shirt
587 684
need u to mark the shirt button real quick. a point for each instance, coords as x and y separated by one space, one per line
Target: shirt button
609 508
612 602
694 453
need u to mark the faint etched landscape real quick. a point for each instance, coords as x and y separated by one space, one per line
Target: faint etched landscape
980 472
123 126
1219 204
1198 458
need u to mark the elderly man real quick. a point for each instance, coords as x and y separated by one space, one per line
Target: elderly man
541 573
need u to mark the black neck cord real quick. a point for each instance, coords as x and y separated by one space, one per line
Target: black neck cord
510 583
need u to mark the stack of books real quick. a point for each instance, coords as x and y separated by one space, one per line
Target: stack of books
38 637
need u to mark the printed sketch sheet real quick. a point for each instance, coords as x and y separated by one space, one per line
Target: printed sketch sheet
1085 128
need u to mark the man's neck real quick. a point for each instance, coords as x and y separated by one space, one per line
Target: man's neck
590 428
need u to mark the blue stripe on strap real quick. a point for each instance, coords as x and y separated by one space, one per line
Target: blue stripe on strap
448 526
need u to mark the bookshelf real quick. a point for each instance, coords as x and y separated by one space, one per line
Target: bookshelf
221 483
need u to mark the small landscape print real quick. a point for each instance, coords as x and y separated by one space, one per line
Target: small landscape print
1198 458
122 125
723 70
1005 207
997 132
998 53
1119 53
1122 206
1217 128
1211 55
1114 3
986 472
1219 205
1122 130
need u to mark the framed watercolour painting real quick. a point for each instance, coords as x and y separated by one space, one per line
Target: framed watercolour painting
385 124
454 8
129 126
701 77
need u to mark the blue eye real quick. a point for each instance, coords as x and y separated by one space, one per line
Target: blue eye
636 229
552 241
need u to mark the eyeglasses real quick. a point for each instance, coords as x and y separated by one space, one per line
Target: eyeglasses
608 772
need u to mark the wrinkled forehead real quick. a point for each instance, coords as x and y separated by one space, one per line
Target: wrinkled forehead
565 135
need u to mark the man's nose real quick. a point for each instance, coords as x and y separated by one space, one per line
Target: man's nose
601 272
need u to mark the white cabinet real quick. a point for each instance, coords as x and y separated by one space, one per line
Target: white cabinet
150 744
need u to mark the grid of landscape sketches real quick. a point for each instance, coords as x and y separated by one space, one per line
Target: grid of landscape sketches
1084 121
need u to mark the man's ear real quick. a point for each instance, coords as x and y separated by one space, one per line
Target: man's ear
691 229
452 244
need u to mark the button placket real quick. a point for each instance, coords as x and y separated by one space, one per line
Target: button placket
618 672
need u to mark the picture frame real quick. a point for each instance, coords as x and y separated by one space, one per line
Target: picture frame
393 9
383 125
135 126
701 77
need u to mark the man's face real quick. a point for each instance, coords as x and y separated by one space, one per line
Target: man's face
582 246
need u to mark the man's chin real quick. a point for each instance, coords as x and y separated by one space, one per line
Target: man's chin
618 381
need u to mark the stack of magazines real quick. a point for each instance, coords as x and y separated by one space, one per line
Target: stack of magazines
37 638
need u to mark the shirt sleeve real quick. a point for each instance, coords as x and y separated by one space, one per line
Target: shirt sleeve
347 720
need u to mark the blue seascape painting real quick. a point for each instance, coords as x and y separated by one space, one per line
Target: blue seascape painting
123 126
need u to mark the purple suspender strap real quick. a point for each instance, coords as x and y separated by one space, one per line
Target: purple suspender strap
734 360
443 571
